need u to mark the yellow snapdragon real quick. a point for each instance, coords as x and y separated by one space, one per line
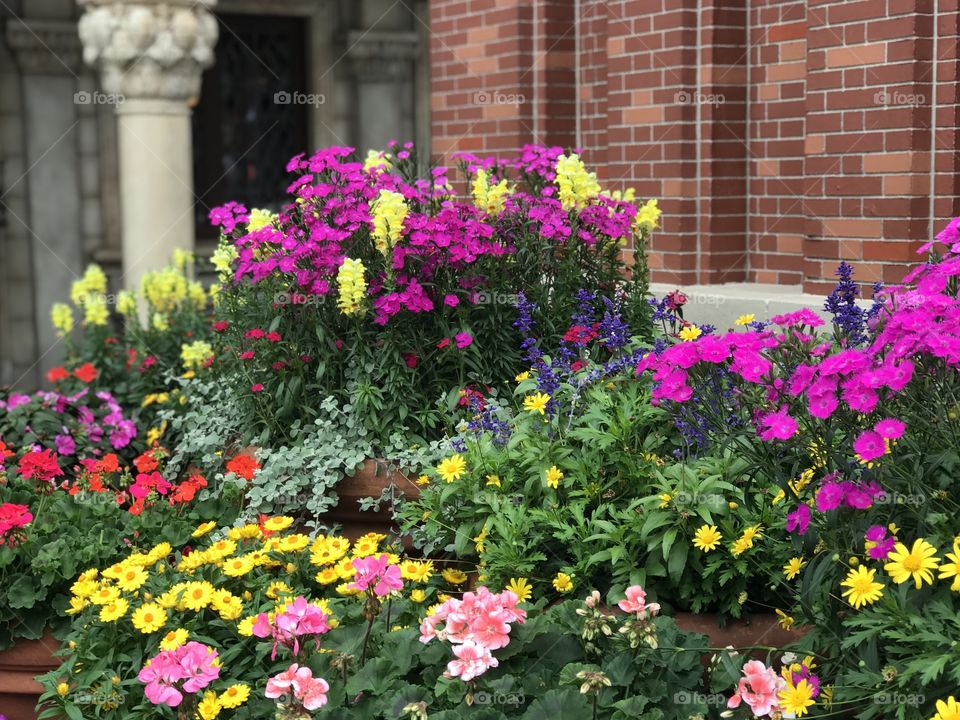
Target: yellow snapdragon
260 219
62 318
647 217
389 211
195 354
377 160
352 286
577 186
490 199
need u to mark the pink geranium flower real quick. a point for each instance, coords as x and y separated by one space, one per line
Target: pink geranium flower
378 573
476 625
171 673
298 619
758 688
473 659
298 683
636 602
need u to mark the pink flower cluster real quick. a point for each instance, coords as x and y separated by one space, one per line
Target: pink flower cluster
376 574
441 237
298 683
170 673
475 626
914 324
758 688
879 542
299 619
833 493
636 602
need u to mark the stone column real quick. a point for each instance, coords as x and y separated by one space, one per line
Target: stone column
382 65
43 254
151 54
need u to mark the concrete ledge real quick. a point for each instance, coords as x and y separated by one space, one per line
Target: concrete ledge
721 305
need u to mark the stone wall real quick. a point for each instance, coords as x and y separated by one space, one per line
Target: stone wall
60 185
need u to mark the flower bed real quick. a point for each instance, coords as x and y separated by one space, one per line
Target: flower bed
566 457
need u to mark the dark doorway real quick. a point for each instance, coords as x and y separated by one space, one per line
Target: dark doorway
245 126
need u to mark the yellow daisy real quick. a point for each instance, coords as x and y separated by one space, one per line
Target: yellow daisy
132 578
328 576
235 695
795 699
689 333
238 566
948 709
863 590
707 538
493 480
554 476
536 403
562 583
917 564
454 576
114 611
278 523
521 588
149 617
952 568
793 567
197 595
174 639
204 528
746 319
452 468
209 707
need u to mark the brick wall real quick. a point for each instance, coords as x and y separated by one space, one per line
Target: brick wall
780 135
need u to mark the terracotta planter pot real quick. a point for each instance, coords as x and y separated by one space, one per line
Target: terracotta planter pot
369 480
762 631
19 667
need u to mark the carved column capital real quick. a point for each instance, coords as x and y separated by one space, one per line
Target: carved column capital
149 49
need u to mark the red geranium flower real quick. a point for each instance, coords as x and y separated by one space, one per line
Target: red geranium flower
86 373
40 465
243 466
57 374
108 463
147 462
